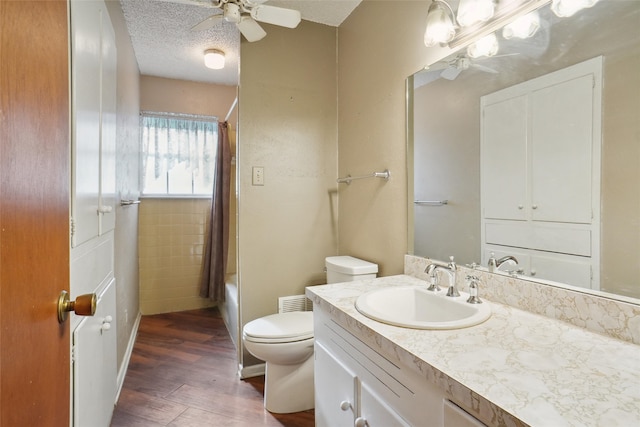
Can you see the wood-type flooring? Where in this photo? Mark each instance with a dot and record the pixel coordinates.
(183, 373)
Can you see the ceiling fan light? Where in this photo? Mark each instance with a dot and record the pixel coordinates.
(486, 46)
(523, 27)
(439, 28)
(566, 8)
(214, 59)
(473, 11)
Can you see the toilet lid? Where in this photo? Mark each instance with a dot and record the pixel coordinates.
(282, 327)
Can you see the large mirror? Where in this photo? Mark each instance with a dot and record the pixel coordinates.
(445, 128)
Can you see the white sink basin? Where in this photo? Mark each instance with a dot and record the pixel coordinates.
(415, 307)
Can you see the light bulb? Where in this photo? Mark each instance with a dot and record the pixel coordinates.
(473, 11)
(566, 8)
(439, 28)
(523, 27)
(486, 46)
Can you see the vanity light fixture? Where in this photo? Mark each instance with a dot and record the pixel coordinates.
(486, 46)
(524, 27)
(473, 11)
(214, 59)
(440, 24)
(566, 8)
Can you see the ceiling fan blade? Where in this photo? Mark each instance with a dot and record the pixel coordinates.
(289, 18)
(485, 69)
(451, 73)
(207, 23)
(250, 29)
(203, 3)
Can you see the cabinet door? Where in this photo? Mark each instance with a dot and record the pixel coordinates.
(455, 416)
(504, 159)
(108, 125)
(562, 153)
(94, 364)
(85, 103)
(335, 387)
(573, 270)
(375, 412)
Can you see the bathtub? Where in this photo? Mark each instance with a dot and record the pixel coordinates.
(229, 309)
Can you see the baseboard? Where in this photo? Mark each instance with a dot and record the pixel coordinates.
(122, 372)
(251, 371)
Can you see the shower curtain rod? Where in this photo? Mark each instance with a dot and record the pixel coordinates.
(233, 106)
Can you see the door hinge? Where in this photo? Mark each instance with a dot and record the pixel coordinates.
(72, 227)
(73, 354)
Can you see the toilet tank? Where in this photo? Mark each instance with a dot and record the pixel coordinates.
(349, 269)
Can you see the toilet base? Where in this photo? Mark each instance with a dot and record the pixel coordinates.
(289, 388)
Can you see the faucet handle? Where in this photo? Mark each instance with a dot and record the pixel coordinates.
(473, 290)
(452, 264)
(434, 283)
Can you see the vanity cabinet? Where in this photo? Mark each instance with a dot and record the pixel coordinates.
(540, 171)
(358, 386)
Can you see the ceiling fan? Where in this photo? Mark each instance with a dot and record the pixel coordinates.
(451, 69)
(246, 14)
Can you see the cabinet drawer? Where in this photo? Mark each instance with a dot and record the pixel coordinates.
(561, 238)
(408, 399)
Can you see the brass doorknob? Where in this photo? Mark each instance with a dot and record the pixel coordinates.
(84, 305)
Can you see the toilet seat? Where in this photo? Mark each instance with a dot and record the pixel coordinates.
(280, 328)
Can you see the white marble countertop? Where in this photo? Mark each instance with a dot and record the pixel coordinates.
(542, 371)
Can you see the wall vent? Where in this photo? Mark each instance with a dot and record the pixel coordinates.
(294, 303)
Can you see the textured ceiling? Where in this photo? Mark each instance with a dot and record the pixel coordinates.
(165, 47)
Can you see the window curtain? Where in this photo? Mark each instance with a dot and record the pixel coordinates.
(171, 140)
(217, 245)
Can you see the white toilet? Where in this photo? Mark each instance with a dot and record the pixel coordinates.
(285, 342)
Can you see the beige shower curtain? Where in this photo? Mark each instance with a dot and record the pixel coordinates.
(217, 244)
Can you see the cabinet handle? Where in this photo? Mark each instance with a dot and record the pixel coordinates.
(520, 207)
(106, 323)
(360, 422)
(533, 271)
(105, 209)
(534, 207)
(345, 405)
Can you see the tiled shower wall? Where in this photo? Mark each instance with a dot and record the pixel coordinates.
(171, 246)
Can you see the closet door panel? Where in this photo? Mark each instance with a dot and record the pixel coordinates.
(108, 126)
(562, 151)
(85, 91)
(504, 159)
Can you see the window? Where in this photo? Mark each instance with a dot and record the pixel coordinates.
(178, 154)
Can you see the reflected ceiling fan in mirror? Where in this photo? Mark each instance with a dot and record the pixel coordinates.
(451, 69)
(246, 14)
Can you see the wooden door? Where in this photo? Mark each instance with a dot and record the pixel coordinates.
(34, 212)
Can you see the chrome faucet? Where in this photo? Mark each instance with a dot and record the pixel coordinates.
(494, 264)
(434, 279)
(451, 269)
(473, 290)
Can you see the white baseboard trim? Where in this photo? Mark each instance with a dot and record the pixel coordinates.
(122, 372)
(251, 371)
